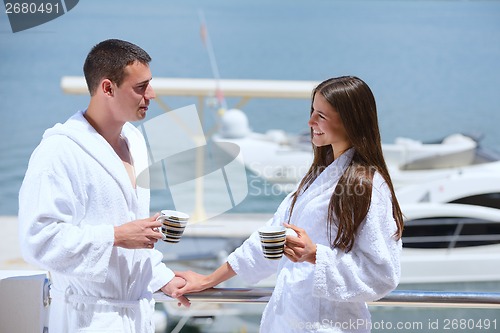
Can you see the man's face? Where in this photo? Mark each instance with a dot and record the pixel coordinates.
(133, 95)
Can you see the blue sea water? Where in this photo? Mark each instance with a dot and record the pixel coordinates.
(432, 65)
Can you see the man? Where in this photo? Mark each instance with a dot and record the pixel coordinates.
(81, 215)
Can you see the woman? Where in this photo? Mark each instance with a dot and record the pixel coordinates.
(347, 220)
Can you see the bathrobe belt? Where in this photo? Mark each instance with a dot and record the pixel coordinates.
(69, 296)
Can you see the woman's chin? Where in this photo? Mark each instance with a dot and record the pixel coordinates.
(318, 143)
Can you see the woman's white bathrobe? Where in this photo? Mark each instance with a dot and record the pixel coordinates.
(75, 191)
(329, 296)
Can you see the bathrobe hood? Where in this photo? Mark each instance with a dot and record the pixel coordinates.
(79, 130)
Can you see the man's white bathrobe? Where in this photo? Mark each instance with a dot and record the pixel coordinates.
(329, 296)
(75, 191)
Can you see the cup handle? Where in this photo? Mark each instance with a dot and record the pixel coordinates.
(159, 218)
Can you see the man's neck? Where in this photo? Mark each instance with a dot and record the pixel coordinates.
(107, 127)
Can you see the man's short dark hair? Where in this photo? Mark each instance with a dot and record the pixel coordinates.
(108, 59)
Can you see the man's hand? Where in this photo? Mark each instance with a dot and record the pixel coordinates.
(138, 234)
(175, 284)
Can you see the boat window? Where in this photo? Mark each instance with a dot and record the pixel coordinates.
(429, 233)
(479, 233)
(450, 232)
(487, 200)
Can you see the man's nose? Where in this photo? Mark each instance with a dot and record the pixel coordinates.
(150, 93)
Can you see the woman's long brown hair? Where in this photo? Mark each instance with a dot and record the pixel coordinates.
(350, 201)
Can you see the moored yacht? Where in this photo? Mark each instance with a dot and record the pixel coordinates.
(444, 242)
(283, 159)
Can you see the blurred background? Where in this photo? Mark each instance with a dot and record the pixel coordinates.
(432, 65)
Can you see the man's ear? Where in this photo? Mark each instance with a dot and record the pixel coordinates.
(107, 87)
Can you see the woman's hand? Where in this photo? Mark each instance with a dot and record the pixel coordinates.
(300, 248)
(194, 282)
(175, 284)
(197, 282)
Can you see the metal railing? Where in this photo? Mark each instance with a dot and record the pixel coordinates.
(408, 298)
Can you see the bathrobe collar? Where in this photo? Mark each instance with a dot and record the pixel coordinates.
(332, 172)
(79, 130)
(324, 183)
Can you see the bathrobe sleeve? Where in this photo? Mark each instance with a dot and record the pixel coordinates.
(161, 273)
(249, 262)
(372, 268)
(52, 228)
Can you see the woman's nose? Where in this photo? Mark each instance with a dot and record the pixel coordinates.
(311, 121)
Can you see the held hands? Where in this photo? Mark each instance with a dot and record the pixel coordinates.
(194, 282)
(300, 248)
(138, 234)
(170, 289)
(197, 282)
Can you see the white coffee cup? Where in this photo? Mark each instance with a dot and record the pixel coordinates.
(272, 239)
(173, 225)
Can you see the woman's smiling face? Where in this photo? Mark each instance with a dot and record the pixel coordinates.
(327, 127)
